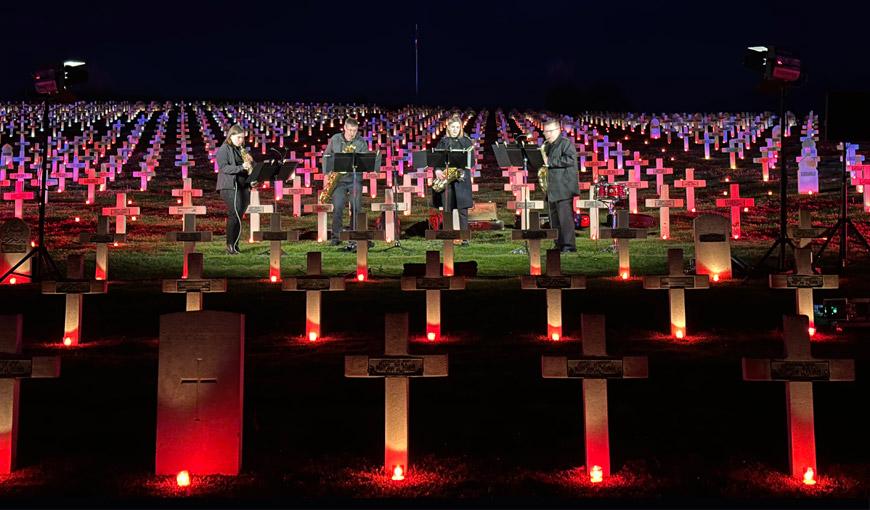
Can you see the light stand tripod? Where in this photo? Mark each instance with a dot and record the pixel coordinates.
(844, 226)
(782, 240)
(39, 253)
(524, 249)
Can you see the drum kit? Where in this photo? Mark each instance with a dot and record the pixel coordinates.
(613, 194)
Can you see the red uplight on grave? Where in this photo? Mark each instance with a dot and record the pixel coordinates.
(715, 277)
(596, 475)
(273, 278)
(624, 275)
(679, 333)
(183, 478)
(810, 476)
(811, 330)
(67, 341)
(398, 473)
(13, 281)
(361, 277)
(312, 336)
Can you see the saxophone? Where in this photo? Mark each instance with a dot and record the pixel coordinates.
(543, 172)
(331, 179)
(450, 174)
(247, 158)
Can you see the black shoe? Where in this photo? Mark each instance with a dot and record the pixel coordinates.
(231, 250)
(371, 243)
(568, 249)
(464, 242)
(334, 241)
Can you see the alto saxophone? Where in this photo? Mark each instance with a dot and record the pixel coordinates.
(449, 174)
(247, 158)
(330, 180)
(543, 172)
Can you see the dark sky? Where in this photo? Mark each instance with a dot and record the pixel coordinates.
(649, 56)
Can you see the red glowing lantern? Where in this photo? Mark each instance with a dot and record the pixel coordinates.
(810, 476)
(361, 277)
(183, 478)
(596, 475)
(398, 473)
(67, 341)
(312, 336)
(273, 278)
(679, 334)
(430, 336)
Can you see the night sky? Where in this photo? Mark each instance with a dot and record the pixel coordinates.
(643, 56)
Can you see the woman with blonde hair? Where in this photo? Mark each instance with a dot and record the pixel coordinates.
(232, 183)
(457, 193)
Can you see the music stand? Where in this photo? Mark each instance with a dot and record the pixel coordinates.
(519, 155)
(354, 163)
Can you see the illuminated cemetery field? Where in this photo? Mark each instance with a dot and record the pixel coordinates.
(137, 183)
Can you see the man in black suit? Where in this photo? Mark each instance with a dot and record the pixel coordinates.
(560, 157)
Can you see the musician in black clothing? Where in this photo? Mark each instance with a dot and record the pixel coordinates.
(456, 193)
(560, 156)
(234, 166)
(348, 140)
